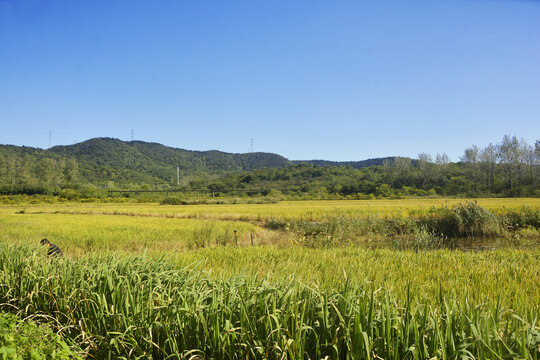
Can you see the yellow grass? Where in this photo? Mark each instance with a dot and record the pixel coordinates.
(286, 210)
(77, 234)
(101, 226)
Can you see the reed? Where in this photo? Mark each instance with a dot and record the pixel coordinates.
(136, 306)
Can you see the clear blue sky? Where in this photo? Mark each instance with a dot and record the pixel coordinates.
(308, 79)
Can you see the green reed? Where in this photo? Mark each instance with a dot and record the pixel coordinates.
(136, 306)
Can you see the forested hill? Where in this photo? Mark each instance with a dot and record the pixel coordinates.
(354, 164)
(106, 160)
(509, 168)
(160, 161)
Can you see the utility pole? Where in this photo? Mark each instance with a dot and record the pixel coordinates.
(178, 175)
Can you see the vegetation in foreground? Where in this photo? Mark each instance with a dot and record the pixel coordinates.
(21, 340)
(325, 298)
(119, 306)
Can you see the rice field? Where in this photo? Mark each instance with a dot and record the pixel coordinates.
(285, 210)
(144, 281)
(80, 228)
(79, 234)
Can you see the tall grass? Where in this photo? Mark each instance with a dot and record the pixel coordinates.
(139, 307)
(79, 234)
(479, 277)
(462, 220)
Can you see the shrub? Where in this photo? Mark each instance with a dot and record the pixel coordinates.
(275, 224)
(334, 230)
(69, 194)
(202, 235)
(461, 220)
(27, 340)
(523, 218)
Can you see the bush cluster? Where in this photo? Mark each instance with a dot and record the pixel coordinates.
(28, 340)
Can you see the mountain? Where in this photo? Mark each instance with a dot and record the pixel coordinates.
(159, 162)
(102, 160)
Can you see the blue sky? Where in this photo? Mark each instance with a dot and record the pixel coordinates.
(313, 79)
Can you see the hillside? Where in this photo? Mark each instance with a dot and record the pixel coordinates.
(112, 163)
(354, 164)
(153, 161)
(102, 161)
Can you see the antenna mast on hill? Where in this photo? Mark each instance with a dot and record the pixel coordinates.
(50, 138)
(251, 147)
(131, 134)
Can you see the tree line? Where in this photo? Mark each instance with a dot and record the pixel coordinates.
(509, 165)
(507, 168)
(27, 172)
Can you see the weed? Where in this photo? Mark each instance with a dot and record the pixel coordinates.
(28, 340)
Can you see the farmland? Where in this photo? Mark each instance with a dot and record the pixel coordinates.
(306, 210)
(161, 281)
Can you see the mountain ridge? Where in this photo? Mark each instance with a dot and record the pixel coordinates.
(105, 159)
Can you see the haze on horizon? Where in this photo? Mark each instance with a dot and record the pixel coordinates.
(346, 80)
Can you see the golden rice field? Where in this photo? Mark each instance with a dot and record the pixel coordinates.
(169, 282)
(286, 210)
(181, 232)
(79, 228)
(78, 234)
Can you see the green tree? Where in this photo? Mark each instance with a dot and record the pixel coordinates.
(488, 164)
(471, 158)
(426, 167)
(509, 153)
(47, 171)
(70, 170)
